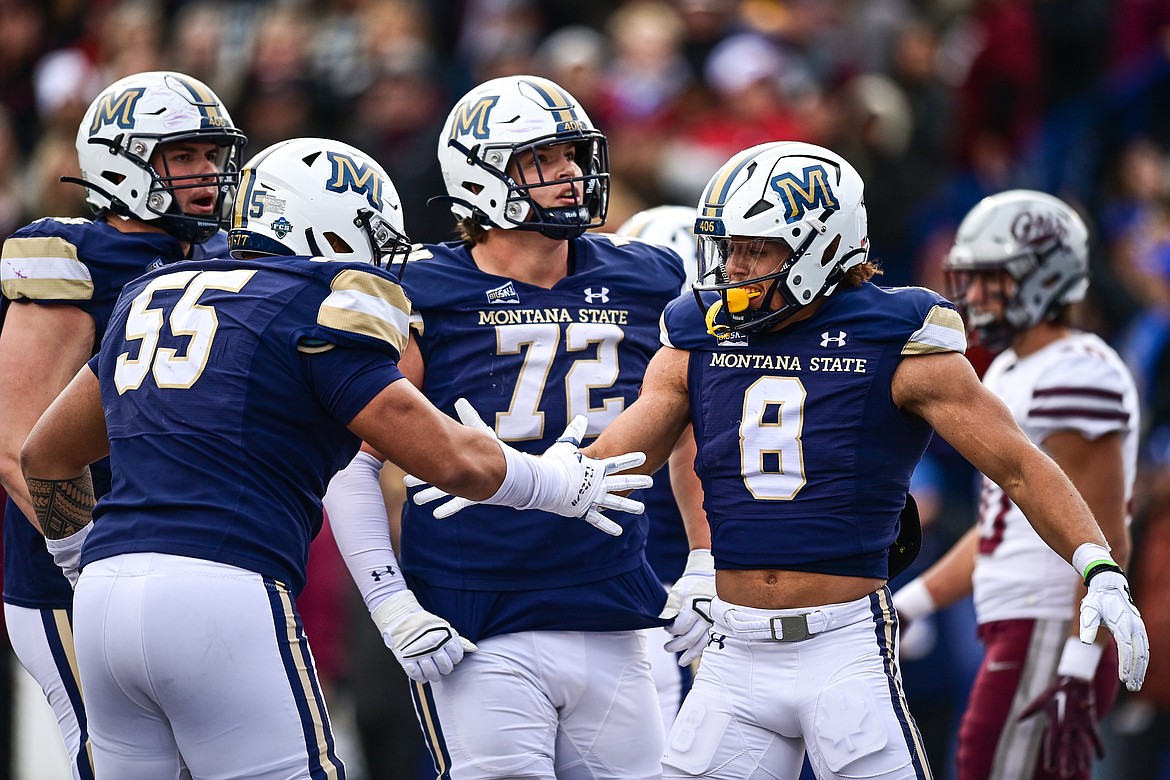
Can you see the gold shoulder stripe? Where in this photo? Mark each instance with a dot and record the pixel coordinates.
(942, 331)
(39, 248)
(945, 317)
(369, 305)
(44, 267)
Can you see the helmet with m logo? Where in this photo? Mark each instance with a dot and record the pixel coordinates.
(122, 130)
(318, 198)
(482, 142)
(803, 197)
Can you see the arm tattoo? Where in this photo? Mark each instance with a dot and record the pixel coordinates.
(63, 506)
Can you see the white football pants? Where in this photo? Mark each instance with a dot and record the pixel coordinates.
(758, 704)
(210, 661)
(547, 705)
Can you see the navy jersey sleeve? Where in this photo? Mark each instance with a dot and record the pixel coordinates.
(683, 325)
(345, 380)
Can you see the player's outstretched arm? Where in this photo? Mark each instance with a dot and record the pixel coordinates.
(944, 390)
(470, 462)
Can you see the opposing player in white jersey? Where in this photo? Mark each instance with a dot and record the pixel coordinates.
(667, 546)
(813, 393)
(158, 154)
(227, 393)
(1020, 260)
(533, 320)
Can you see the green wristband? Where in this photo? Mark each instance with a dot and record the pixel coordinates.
(1096, 567)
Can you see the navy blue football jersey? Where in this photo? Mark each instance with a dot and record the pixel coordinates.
(667, 546)
(529, 359)
(82, 263)
(804, 458)
(227, 386)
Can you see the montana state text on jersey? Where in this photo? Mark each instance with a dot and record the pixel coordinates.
(74, 262)
(529, 359)
(804, 458)
(305, 345)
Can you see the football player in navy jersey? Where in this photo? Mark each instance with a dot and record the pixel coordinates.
(534, 321)
(159, 155)
(233, 390)
(1020, 260)
(813, 393)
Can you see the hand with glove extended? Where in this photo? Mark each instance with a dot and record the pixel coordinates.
(1109, 603)
(688, 606)
(425, 644)
(561, 481)
(1071, 738)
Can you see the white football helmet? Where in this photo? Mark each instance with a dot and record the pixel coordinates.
(672, 227)
(317, 197)
(803, 195)
(501, 119)
(120, 132)
(1039, 241)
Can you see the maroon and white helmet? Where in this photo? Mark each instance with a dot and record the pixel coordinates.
(1039, 241)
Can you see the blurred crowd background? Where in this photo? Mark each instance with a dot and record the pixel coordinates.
(936, 102)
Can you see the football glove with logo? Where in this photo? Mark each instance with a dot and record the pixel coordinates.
(1109, 603)
(688, 606)
(425, 644)
(561, 481)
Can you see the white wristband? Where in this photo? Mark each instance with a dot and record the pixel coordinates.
(1078, 659)
(521, 477)
(66, 552)
(914, 600)
(700, 561)
(1089, 553)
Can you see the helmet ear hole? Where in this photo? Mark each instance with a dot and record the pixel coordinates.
(831, 251)
(337, 243)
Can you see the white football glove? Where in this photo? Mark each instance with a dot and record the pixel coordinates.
(66, 552)
(425, 644)
(561, 481)
(1109, 603)
(689, 604)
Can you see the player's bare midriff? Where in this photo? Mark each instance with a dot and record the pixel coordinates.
(783, 589)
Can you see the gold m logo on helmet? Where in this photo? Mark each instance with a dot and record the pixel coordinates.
(116, 109)
(473, 119)
(801, 194)
(351, 175)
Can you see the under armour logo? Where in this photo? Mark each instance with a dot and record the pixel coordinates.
(837, 341)
(156, 264)
(716, 639)
(377, 574)
(594, 297)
